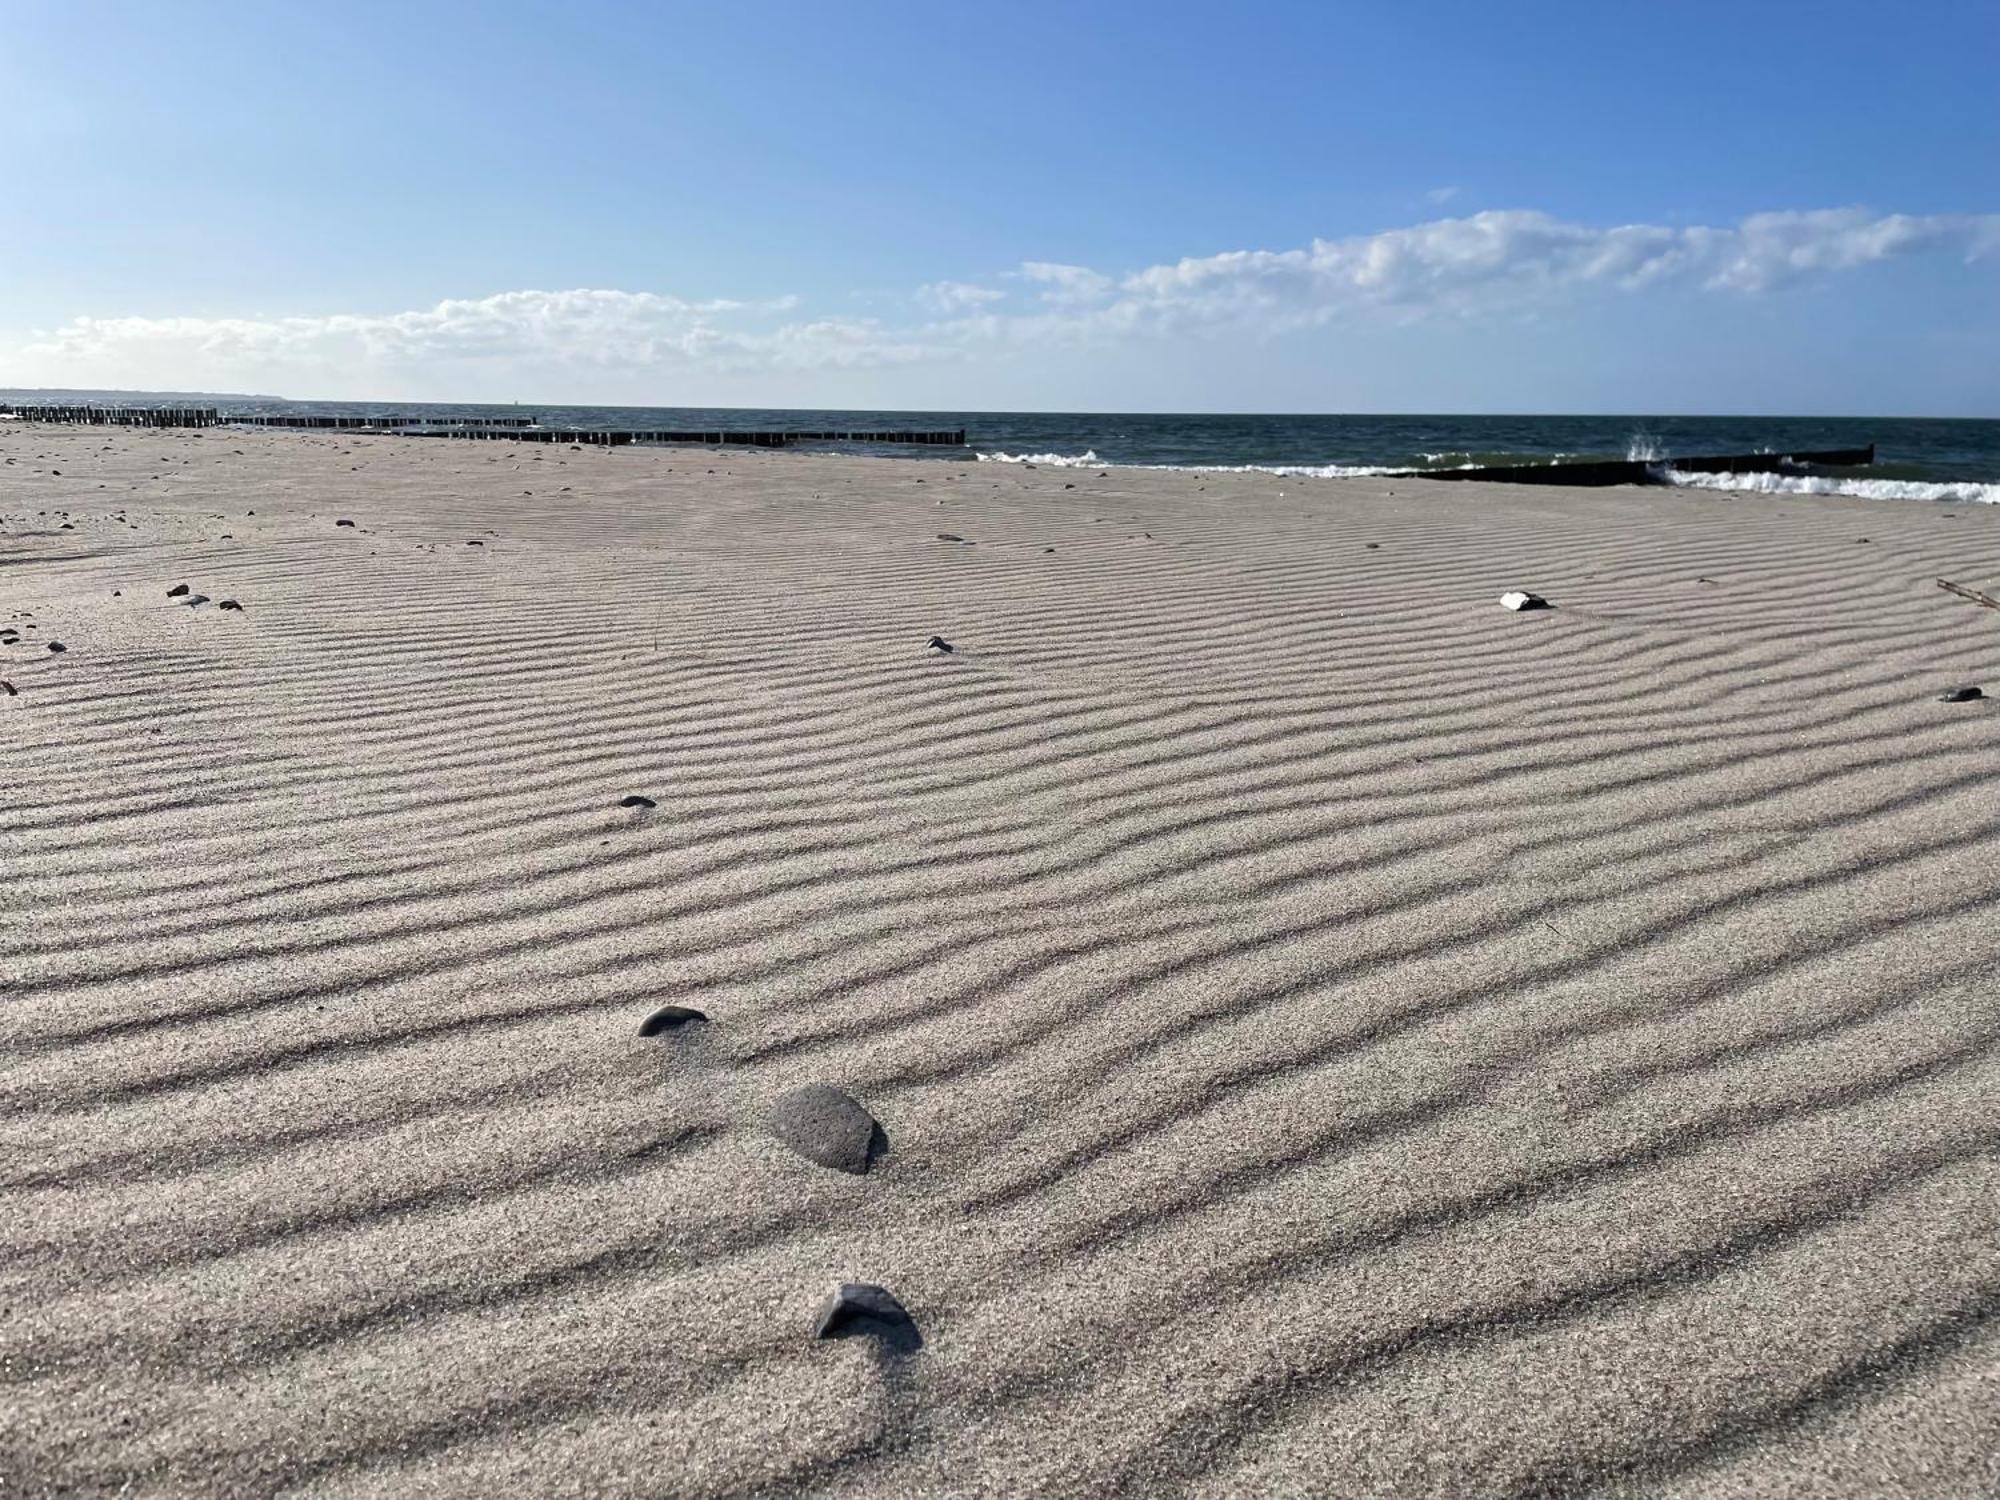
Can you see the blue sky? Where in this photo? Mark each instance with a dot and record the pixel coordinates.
(1308, 207)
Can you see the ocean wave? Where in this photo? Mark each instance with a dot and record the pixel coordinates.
(1084, 460)
(1090, 460)
(1814, 484)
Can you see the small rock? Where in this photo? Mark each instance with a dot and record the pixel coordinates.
(1069, 486)
(635, 800)
(939, 643)
(193, 599)
(1373, 546)
(9, 687)
(860, 1307)
(827, 1126)
(669, 1018)
(343, 523)
(950, 536)
(475, 544)
(1966, 694)
(57, 646)
(1520, 599)
(230, 604)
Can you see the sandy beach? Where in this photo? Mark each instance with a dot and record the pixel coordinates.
(1330, 1035)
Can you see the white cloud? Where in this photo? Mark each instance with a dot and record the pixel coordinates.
(948, 297)
(1475, 265)
(1443, 194)
(1065, 286)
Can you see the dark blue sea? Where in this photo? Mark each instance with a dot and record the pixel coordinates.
(1917, 458)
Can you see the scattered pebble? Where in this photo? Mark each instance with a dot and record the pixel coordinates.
(57, 646)
(950, 536)
(635, 800)
(11, 693)
(827, 1126)
(939, 643)
(1519, 599)
(670, 1018)
(230, 604)
(1374, 546)
(343, 522)
(1964, 694)
(193, 599)
(861, 1307)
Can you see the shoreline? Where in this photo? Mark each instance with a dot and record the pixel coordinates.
(1323, 1024)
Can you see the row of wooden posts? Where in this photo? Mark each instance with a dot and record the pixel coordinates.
(516, 429)
(119, 416)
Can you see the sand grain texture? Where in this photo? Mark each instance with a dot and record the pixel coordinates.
(1335, 1036)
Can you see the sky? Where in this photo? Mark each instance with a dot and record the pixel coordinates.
(1318, 207)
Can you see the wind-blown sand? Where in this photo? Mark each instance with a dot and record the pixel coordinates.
(1332, 1035)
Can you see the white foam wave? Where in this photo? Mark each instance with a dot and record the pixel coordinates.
(1814, 484)
(1090, 460)
(1085, 460)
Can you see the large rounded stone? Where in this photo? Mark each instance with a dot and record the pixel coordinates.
(827, 1126)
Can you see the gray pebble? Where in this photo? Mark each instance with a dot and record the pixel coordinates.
(669, 1018)
(178, 590)
(635, 800)
(1965, 694)
(860, 1307)
(827, 1126)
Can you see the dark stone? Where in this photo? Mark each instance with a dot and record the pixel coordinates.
(230, 604)
(1965, 694)
(862, 1308)
(10, 689)
(193, 599)
(827, 1126)
(343, 523)
(1069, 486)
(57, 646)
(1374, 546)
(950, 536)
(670, 1018)
(635, 800)
(939, 643)
(475, 544)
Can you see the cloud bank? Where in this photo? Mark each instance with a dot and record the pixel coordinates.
(1480, 265)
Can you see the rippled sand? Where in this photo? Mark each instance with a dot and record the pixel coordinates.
(1332, 1035)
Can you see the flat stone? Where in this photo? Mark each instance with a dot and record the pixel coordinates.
(343, 522)
(193, 599)
(669, 1018)
(1519, 599)
(229, 604)
(57, 646)
(939, 643)
(178, 590)
(950, 536)
(635, 800)
(826, 1126)
(1966, 694)
(862, 1308)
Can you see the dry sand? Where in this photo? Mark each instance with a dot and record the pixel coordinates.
(1333, 1036)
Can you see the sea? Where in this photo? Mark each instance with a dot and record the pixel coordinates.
(1933, 459)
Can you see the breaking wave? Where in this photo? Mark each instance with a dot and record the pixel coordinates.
(1090, 460)
(1814, 484)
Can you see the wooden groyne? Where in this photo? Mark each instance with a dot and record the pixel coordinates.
(522, 429)
(1648, 471)
(619, 438)
(119, 416)
(362, 424)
